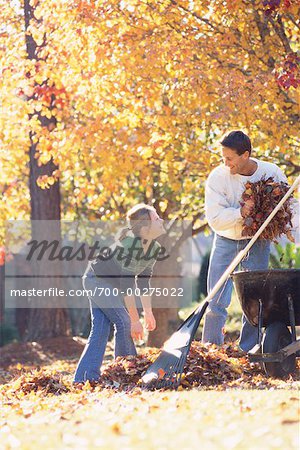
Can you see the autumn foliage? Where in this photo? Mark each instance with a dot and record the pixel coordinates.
(141, 93)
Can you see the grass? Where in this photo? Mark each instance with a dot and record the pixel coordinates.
(159, 420)
(234, 318)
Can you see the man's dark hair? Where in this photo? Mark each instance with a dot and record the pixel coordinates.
(238, 141)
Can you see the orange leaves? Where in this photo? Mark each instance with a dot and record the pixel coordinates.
(4, 256)
(139, 91)
(50, 95)
(158, 144)
(161, 374)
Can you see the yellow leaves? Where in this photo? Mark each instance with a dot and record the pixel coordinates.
(158, 145)
(188, 184)
(56, 174)
(168, 68)
(175, 184)
(148, 84)
(45, 181)
(179, 165)
(50, 181)
(43, 158)
(42, 182)
(145, 152)
(36, 33)
(87, 386)
(17, 384)
(163, 204)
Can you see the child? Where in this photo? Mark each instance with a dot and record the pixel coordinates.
(115, 274)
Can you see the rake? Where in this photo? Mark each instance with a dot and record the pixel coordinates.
(166, 371)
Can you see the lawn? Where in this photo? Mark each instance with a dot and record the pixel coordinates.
(186, 419)
(232, 405)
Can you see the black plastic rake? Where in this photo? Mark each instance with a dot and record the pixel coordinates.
(166, 371)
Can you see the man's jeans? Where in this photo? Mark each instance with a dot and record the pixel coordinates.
(223, 252)
(102, 316)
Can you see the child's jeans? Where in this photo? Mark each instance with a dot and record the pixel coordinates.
(103, 314)
(223, 252)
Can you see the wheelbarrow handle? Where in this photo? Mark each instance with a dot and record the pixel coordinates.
(243, 252)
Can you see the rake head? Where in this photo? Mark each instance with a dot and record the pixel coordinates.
(166, 371)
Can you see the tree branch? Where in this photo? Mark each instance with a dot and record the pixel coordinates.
(280, 31)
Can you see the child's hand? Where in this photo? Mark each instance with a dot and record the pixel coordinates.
(137, 330)
(150, 322)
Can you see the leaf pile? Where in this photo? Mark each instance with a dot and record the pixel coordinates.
(266, 194)
(206, 366)
(125, 372)
(39, 381)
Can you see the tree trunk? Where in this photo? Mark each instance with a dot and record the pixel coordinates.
(167, 322)
(165, 308)
(45, 205)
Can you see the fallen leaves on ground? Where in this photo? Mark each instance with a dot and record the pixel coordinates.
(232, 400)
(207, 367)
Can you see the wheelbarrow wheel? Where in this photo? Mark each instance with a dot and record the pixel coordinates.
(276, 337)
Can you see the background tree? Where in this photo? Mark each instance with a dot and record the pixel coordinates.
(139, 94)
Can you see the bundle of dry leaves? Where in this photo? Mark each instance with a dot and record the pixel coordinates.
(266, 194)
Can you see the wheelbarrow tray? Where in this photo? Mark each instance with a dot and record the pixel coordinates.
(273, 287)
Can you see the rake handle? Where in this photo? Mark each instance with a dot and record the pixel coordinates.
(243, 252)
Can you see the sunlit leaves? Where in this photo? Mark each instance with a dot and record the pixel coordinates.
(141, 93)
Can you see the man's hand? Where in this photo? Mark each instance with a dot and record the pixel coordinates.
(247, 208)
(136, 330)
(150, 322)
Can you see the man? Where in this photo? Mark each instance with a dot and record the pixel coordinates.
(224, 213)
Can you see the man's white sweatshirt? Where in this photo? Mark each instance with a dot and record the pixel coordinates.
(223, 193)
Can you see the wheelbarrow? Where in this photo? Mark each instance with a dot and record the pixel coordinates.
(270, 300)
